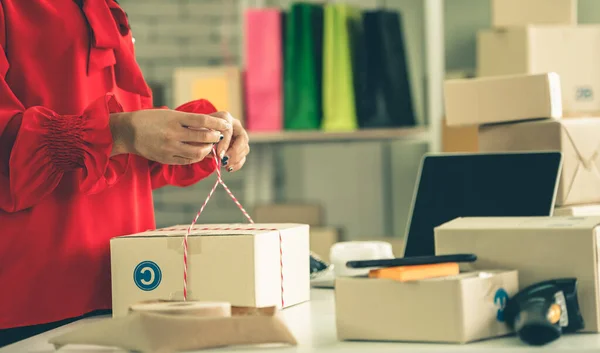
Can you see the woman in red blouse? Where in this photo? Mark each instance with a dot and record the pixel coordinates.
(81, 150)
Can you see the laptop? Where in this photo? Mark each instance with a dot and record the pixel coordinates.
(479, 185)
(475, 185)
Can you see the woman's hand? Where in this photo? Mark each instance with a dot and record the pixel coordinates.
(167, 136)
(234, 147)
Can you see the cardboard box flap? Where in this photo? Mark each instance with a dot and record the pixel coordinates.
(580, 143)
(215, 229)
(466, 276)
(578, 133)
(491, 223)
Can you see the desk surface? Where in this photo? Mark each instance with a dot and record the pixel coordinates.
(313, 324)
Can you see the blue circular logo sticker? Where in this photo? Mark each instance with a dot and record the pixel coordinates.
(147, 275)
(500, 299)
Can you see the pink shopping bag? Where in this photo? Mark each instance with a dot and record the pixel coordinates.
(264, 70)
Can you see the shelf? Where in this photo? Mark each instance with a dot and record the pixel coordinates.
(408, 133)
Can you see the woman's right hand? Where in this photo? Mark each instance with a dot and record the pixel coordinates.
(166, 136)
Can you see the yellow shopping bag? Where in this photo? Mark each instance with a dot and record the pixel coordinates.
(339, 110)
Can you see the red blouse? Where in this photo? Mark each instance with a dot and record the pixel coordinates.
(63, 70)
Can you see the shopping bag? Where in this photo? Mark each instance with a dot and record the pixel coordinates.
(397, 90)
(371, 104)
(339, 111)
(367, 72)
(264, 70)
(387, 99)
(303, 67)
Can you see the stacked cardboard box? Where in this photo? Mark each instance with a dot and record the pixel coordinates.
(458, 139)
(539, 248)
(536, 91)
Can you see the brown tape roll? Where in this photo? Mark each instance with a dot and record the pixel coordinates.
(192, 308)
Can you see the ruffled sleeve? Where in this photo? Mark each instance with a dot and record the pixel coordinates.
(40, 147)
(185, 175)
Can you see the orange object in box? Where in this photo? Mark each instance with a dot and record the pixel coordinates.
(417, 272)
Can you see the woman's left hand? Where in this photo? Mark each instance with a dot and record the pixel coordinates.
(234, 147)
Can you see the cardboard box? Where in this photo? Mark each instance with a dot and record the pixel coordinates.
(455, 309)
(572, 52)
(322, 239)
(242, 264)
(540, 248)
(577, 211)
(311, 214)
(459, 138)
(489, 100)
(578, 140)
(222, 86)
(517, 13)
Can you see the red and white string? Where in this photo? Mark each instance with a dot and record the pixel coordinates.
(239, 205)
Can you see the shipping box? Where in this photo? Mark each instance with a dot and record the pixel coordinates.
(254, 265)
(517, 13)
(478, 101)
(540, 248)
(456, 309)
(573, 52)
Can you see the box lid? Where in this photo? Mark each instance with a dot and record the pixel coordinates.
(578, 210)
(561, 222)
(467, 276)
(462, 277)
(215, 230)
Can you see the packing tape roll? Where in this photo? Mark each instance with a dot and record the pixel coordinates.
(211, 309)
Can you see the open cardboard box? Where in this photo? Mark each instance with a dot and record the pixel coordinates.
(455, 309)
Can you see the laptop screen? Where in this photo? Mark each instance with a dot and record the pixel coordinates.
(484, 185)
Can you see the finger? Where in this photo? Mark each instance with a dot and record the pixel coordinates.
(199, 136)
(238, 149)
(235, 167)
(195, 153)
(223, 146)
(211, 154)
(203, 121)
(237, 153)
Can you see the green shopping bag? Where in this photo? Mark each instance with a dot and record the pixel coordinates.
(339, 110)
(302, 67)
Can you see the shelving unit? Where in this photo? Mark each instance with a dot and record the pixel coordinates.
(260, 166)
(286, 137)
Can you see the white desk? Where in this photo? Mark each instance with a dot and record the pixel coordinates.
(313, 324)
